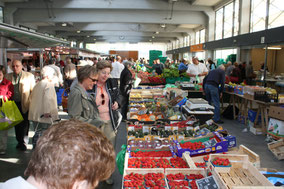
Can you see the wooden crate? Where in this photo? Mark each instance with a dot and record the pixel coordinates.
(143, 172)
(185, 172)
(185, 157)
(277, 148)
(253, 157)
(241, 174)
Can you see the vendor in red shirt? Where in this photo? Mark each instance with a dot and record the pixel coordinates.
(6, 92)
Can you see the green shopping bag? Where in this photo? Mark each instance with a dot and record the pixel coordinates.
(120, 158)
(10, 115)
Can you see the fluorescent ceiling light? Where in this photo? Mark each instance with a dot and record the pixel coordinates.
(153, 37)
(95, 39)
(78, 31)
(163, 25)
(157, 32)
(88, 36)
(64, 24)
(150, 40)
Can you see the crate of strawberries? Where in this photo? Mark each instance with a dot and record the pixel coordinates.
(213, 142)
(184, 178)
(144, 179)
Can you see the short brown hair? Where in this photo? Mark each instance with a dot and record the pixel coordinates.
(104, 64)
(85, 72)
(2, 69)
(71, 151)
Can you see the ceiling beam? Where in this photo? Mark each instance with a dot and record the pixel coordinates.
(117, 27)
(103, 16)
(110, 5)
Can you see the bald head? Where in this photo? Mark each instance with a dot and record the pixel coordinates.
(17, 66)
(195, 60)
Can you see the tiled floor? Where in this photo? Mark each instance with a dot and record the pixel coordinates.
(14, 162)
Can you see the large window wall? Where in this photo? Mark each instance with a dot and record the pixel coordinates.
(266, 14)
(227, 20)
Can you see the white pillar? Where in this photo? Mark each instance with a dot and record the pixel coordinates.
(244, 16)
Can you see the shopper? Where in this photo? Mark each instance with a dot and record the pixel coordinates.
(81, 64)
(69, 72)
(6, 93)
(249, 73)
(211, 85)
(182, 66)
(70, 154)
(196, 70)
(117, 68)
(108, 101)
(57, 79)
(211, 64)
(43, 103)
(81, 105)
(23, 83)
(126, 82)
(229, 68)
(9, 66)
(236, 75)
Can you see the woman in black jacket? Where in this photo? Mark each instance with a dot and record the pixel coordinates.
(125, 87)
(107, 97)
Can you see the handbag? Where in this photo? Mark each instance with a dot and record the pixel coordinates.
(10, 115)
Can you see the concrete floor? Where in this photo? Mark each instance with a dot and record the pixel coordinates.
(14, 162)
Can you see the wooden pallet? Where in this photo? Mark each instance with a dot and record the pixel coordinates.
(277, 148)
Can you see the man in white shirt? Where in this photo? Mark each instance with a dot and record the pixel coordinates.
(117, 68)
(196, 69)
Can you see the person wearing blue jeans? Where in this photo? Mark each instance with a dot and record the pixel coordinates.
(211, 84)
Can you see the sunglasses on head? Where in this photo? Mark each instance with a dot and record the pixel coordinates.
(93, 80)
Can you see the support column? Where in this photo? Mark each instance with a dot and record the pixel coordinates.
(244, 16)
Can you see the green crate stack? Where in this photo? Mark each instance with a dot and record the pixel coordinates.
(153, 55)
(232, 58)
(220, 61)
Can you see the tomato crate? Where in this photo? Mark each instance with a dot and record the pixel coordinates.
(241, 174)
(214, 143)
(142, 178)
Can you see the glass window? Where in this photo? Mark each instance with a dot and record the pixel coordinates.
(236, 17)
(177, 44)
(228, 20)
(191, 40)
(1, 15)
(219, 24)
(276, 13)
(258, 15)
(202, 36)
(197, 40)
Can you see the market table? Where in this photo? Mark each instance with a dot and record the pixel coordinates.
(243, 103)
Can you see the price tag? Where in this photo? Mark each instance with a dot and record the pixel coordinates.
(207, 183)
(145, 129)
(189, 128)
(168, 128)
(130, 129)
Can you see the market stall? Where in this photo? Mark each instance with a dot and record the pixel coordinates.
(168, 148)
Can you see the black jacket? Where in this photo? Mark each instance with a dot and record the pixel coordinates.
(125, 81)
(114, 96)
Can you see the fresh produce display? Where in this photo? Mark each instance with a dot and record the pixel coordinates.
(171, 73)
(178, 184)
(178, 176)
(192, 145)
(148, 180)
(180, 180)
(200, 165)
(224, 162)
(152, 154)
(147, 117)
(156, 163)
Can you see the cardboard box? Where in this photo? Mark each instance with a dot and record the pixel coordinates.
(275, 127)
(276, 112)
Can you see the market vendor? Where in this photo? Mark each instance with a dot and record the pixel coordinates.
(213, 93)
(196, 70)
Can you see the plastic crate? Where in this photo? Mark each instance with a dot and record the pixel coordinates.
(265, 97)
(172, 80)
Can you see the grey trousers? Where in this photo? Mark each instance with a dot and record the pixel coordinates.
(108, 132)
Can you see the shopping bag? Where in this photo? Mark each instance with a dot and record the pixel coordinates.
(137, 81)
(120, 159)
(10, 115)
